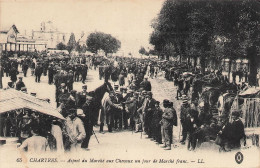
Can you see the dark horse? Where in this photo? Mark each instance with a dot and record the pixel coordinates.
(91, 110)
(97, 96)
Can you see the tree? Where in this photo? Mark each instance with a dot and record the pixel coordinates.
(142, 50)
(72, 43)
(106, 42)
(61, 46)
(190, 29)
(152, 52)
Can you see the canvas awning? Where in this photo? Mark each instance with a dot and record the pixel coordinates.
(11, 99)
(250, 91)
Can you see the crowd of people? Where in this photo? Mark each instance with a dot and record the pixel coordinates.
(130, 104)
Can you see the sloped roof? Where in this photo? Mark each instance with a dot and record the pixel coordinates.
(12, 99)
(5, 29)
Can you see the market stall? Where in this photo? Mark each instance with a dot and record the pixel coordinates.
(19, 110)
(249, 104)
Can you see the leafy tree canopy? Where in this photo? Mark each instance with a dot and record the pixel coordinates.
(100, 40)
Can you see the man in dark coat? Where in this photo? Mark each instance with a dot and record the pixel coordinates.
(38, 73)
(7, 68)
(70, 80)
(101, 72)
(32, 66)
(147, 109)
(88, 120)
(180, 87)
(185, 108)
(13, 74)
(81, 96)
(237, 131)
(107, 73)
(20, 84)
(119, 114)
(84, 73)
(70, 102)
(77, 72)
(25, 68)
(124, 97)
(231, 133)
(192, 123)
(45, 67)
(156, 127)
(146, 84)
(51, 72)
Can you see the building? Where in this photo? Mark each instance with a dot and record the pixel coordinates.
(8, 37)
(49, 34)
(12, 40)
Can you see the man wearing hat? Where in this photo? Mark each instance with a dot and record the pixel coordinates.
(75, 130)
(180, 87)
(146, 84)
(185, 108)
(147, 111)
(111, 108)
(156, 127)
(88, 120)
(107, 72)
(20, 84)
(70, 102)
(38, 73)
(25, 68)
(84, 73)
(13, 74)
(231, 133)
(70, 80)
(81, 96)
(141, 99)
(32, 67)
(120, 115)
(131, 107)
(126, 95)
(192, 124)
(51, 72)
(237, 131)
(166, 124)
(77, 72)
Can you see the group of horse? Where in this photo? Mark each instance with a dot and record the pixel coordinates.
(211, 88)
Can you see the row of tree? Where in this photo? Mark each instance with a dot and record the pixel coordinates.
(214, 29)
(95, 41)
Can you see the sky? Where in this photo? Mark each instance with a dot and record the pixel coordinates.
(127, 20)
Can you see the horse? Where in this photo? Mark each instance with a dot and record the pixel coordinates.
(91, 110)
(97, 96)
